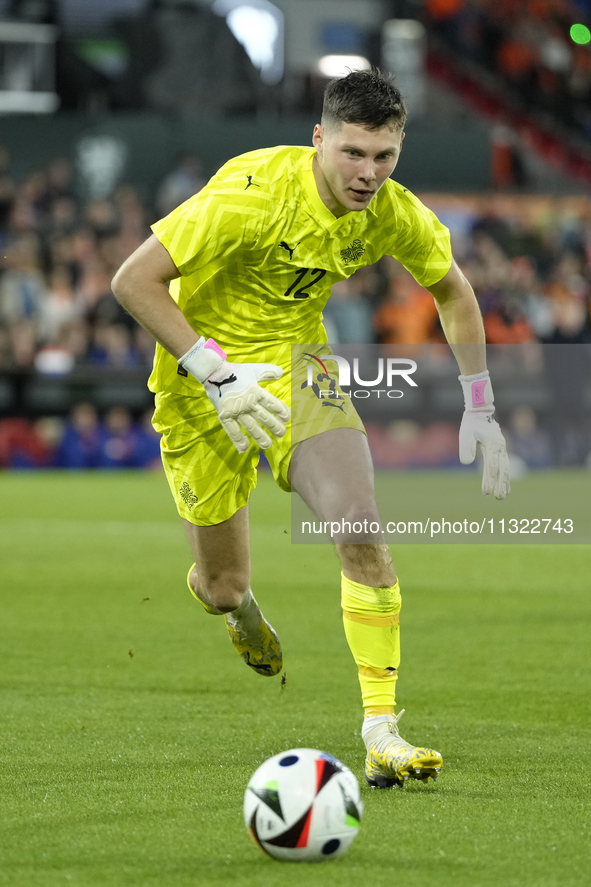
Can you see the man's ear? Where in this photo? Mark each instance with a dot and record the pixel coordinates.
(402, 138)
(318, 137)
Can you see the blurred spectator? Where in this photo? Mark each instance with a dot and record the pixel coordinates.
(133, 225)
(101, 218)
(118, 447)
(185, 180)
(83, 435)
(25, 444)
(60, 306)
(7, 191)
(117, 442)
(22, 287)
(22, 290)
(408, 315)
(60, 179)
(348, 311)
(505, 322)
(147, 449)
(570, 315)
(62, 217)
(113, 347)
(6, 360)
(508, 171)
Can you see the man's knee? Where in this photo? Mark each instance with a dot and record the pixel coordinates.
(223, 590)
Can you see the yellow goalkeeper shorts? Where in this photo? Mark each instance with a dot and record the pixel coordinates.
(209, 479)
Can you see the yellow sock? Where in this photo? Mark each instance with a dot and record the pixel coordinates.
(371, 617)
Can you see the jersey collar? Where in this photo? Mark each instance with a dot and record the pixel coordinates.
(321, 211)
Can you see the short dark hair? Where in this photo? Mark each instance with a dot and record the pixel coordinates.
(368, 98)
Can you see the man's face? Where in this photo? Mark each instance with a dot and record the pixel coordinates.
(352, 163)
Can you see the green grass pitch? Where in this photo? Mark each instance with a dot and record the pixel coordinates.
(129, 727)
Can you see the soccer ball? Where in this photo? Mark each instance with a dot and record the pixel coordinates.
(303, 805)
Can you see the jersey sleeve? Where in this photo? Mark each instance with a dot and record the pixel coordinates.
(419, 241)
(222, 218)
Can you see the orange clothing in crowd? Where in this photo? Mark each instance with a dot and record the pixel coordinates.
(442, 9)
(410, 319)
(499, 332)
(544, 9)
(515, 58)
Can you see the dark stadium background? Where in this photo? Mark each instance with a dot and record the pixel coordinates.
(112, 113)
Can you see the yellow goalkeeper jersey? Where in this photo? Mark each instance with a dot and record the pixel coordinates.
(258, 253)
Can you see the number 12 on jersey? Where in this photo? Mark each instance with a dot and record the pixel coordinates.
(303, 284)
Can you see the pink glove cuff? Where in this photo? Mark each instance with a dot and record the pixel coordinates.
(203, 359)
(478, 393)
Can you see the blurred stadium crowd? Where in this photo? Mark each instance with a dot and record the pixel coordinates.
(528, 44)
(83, 441)
(528, 259)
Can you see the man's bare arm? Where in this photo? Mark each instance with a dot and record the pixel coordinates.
(140, 286)
(462, 324)
(461, 320)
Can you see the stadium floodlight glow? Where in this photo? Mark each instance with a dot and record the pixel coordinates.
(341, 65)
(258, 26)
(580, 34)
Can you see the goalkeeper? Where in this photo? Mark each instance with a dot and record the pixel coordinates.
(226, 284)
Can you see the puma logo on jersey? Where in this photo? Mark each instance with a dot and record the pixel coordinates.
(250, 182)
(218, 385)
(289, 248)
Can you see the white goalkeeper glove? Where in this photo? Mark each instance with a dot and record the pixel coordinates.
(234, 391)
(479, 427)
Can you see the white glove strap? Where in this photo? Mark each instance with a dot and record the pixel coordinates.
(478, 393)
(203, 359)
